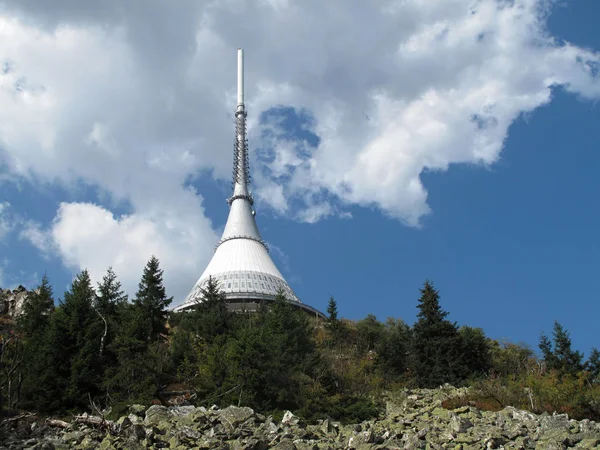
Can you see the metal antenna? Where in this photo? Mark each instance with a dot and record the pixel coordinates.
(241, 169)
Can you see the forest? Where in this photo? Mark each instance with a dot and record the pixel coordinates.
(96, 348)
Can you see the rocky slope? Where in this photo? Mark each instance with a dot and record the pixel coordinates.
(417, 422)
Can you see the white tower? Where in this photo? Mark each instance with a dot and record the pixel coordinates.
(241, 264)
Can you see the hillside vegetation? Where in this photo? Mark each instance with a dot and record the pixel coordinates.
(97, 349)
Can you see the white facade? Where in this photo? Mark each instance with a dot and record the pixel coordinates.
(241, 264)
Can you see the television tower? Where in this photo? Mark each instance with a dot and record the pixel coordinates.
(241, 264)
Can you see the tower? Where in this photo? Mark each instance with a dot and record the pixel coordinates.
(241, 264)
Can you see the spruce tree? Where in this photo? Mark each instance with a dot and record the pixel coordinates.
(36, 310)
(476, 350)
(34, 324)
(109, 303)
(436, 356)
(333, 325)
(559, 355)
(152, 300)
(332, 310)
(369, 333)
(570, 361)
(393, 349)
(75, 338)
(110, 294)
(210, 317)
(592, 365)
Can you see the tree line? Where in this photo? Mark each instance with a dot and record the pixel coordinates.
(98, 348)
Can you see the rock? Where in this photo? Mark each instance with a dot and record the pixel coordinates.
(157, 414)
(182, 411)
(73, 437)
(285, 444)
(234, 415)
(12, 302)
(418, 421)
(290, 419)
(135, 433)
(458, 424)
(138, 410)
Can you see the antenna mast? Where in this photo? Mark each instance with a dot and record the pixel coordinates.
(241, 169)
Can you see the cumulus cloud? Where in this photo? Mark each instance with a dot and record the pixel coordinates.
(89, 236)
(6, 221)
(135, 98)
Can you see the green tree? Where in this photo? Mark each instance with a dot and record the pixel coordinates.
(110, 294)
(332, 310)
(37, 310)
(592, 365)
(476, 348)
(135, 376)
(33, 324)
(559, 355)
(210, 317)
(152, 300)
(369, 332)
(436, 356)
(266, 363)
(394, 347)
(509, 359)
(110, 299)
(74, 345)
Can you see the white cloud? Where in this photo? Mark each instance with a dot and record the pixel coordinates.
(135, 98)
(88, 236)
(6, 221)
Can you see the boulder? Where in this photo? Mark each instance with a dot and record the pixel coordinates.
(157, 414)
(234, 415)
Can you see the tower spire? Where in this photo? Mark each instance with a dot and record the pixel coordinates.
(241, 170)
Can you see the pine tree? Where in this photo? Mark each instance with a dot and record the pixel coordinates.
(393, 348)
(558, 355)
(436, 356)
(592, 365)
(36, 310)
(210, 317)
(74, 339)
(34, 324)
(570, 361)
(110, 295)
(369, 331)
(332, 310)
(109, 302)
(476, 350)
(152, 300)
(333, 325)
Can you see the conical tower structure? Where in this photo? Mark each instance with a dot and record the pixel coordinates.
(241, 264)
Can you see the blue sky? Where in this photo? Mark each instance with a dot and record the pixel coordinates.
(108, 167)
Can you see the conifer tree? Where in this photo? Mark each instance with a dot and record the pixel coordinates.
(210, 317)
(109, 304)
(559, 355)
(74, 340)
(436, 350)
(152, 300)
(592, 365)
(369, 331)
(570, 361)
(332, 310)
(34, 324)
(333, 324)
(476, 350)
(394, 347)
(36, 310)
(110, 294)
